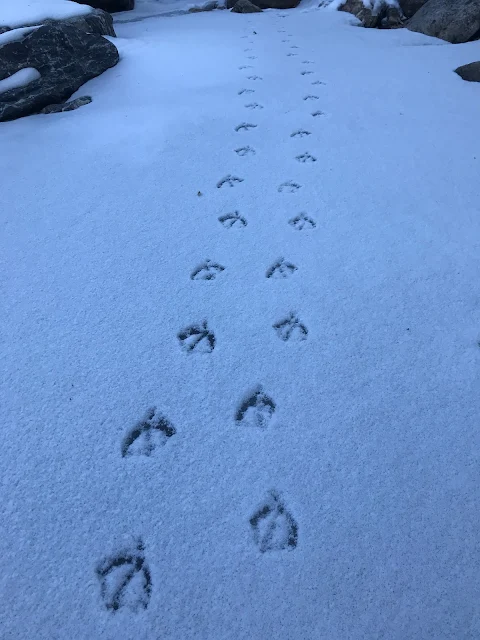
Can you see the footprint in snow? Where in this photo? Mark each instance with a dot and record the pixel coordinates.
(125, 579)
(289, 55)
(253, 105)
(294, 46)
(245, 66)
(307, 62)
(318, 82)
(291, 328)
(256, 409)
(233, 220)
(148, 435)
(245, 126)
(301, 222)
(306, 73)
(243, 91)
(317, 114)
(305, 157)
(289, 187)
(245, 151)
(197, 337)
(274, 528)
(311, 97)
(252, 57)
(207, 271)
(229, 180)
(281, 269)
(254, 78)
(301, 133)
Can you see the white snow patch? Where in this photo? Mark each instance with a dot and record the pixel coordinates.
(19, 79)
(24, 12)
(16, 34)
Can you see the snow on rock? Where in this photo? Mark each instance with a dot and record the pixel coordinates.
(26, 12)
(19, 79)
(371, 13)
(15, 34)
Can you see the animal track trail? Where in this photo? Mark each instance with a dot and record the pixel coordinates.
(274, 528)
(294, 46)
(245, 151)
(125, 580)
(245, 126)
(207, 271)
(254, 78)
(301, 133)
(291, 329)
(198, 338)
(306, 158)
(307, 62)
(318, 114)
(256, 410)
(281, 269)
(306, 73)
(244, 91)
(253, 105)
(311, 97)
(289, 187)
(233, 221)
(318, 82)
(229, 181)
(150, 434)
(252, 57)
(245, 66)
(290, 55)
(301, 222)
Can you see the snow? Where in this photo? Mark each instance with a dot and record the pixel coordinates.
(17, 13)
(16, 34)
(266, 482)
(19, 79)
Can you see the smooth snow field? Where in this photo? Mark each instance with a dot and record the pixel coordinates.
(240, 340)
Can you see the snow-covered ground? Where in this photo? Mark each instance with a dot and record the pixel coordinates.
(311, 470)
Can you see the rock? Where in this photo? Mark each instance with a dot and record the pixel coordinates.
(277, 4)
(381, 15)
(111, 6)
(64, 56)
(97, 21)
(67, 106)
(469, 72)
(410, 7)
(209, 6)
(245, 6)
(456, 22)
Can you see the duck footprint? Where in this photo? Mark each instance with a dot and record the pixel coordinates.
(253, 105)
(207, 271)
(301, 133)
(229, 180)
(233, 220)
(243, 91)
(302, 221)
(197, 337)
(289, 187)
(125, 579)
(274, 527)
(305, 157)
(257, 409)
(245, 151)
(281, 269)
(151, 433)
(291, 329)
(245, 126)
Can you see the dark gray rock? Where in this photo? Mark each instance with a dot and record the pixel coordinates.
(469, 72)
(410, 7)
(277, 4)
(64, 56)
(209, 6)
(382, 16)
(455, 21)
(109, 5)
(4, 29)
(97, 21)
(67, 106)
(245, 6)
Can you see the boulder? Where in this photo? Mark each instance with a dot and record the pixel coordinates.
(469, 72)
(268, 4)
(456, 22)
(97, 21)
(67, 106)
(64, 56)
(410, 7)
(379, 15)
(245, 6)
(209, 6)
(111, 6)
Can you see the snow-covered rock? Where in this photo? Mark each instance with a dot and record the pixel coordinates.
(21, 13)
(455, 22)
(373, 13)
(64, 56)
(245, 6)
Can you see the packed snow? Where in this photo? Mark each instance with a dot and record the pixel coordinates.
(241, 340)
(17, 13)
(19, 79)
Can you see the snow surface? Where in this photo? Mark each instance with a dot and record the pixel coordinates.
(16, 13)
(268, 482)
(19, 79)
